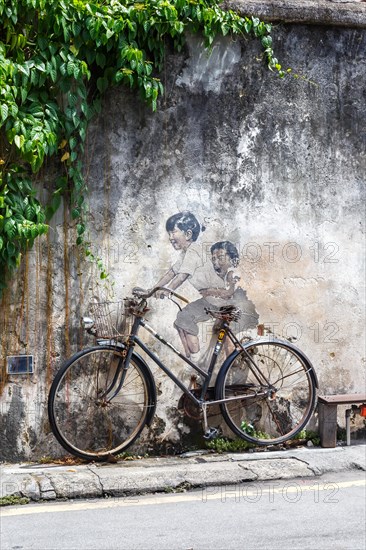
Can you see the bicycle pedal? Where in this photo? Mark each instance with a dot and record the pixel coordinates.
(211, 433)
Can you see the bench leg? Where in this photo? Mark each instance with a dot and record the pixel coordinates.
(348, 426)
(327, 424)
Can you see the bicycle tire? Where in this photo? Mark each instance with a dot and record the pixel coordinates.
(82, 419)
(272, 413)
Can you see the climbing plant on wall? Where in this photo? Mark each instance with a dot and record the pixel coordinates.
(57, 58)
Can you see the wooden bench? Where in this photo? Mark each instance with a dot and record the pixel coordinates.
(327, 409)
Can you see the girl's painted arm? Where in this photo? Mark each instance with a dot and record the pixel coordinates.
(171, 280)
(169, 275)
(178, 280)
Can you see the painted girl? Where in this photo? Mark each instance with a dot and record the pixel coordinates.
(183, 230)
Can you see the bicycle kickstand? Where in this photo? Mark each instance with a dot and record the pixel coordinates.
(208, 433)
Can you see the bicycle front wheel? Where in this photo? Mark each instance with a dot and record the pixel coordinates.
(271, 392)
(96, 407)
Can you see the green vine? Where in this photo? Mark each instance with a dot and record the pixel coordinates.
(57, 58)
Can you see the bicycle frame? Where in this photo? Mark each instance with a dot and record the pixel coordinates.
(223, 334)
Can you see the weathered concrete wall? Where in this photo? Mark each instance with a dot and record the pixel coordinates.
(275, 166)
(346, 13)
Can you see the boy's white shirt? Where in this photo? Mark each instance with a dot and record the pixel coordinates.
(206, 277)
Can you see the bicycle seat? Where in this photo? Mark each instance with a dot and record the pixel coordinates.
(225, 313)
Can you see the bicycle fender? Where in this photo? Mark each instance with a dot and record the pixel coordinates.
(223, 370)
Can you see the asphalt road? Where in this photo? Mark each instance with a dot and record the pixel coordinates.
(326, 513)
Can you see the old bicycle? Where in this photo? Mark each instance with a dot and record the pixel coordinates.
(103, 396)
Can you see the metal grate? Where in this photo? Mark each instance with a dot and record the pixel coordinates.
(112, 320)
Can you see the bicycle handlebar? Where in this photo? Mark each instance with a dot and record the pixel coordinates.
(141, 293)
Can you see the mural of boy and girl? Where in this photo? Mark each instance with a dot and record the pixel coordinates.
(214, 279)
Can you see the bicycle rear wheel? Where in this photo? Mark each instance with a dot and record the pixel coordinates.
(273, 392)
(85, 416)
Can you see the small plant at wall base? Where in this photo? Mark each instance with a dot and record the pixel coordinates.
(13, 500)
(57, 58)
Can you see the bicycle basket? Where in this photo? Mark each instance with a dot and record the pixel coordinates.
(112, 320)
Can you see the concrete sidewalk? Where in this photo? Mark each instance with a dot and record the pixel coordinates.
(196, 469)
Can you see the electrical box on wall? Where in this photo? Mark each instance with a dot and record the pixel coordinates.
(19, 364)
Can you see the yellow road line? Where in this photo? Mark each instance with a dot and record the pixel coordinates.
(242, 491)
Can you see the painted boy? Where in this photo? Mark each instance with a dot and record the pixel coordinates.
(217, 283)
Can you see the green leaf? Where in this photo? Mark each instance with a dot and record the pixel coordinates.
(80, 227)
(10, 247)
(70, 68)
(56, 201)
(101, 59)
(29, 212)
(14, 110)
(4, 111)
(19, 141)
(24, 94)
(42, 42)
(102, 84)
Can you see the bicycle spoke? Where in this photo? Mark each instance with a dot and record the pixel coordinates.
(84, 420)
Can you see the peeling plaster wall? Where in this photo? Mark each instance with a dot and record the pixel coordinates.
(275, 166)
